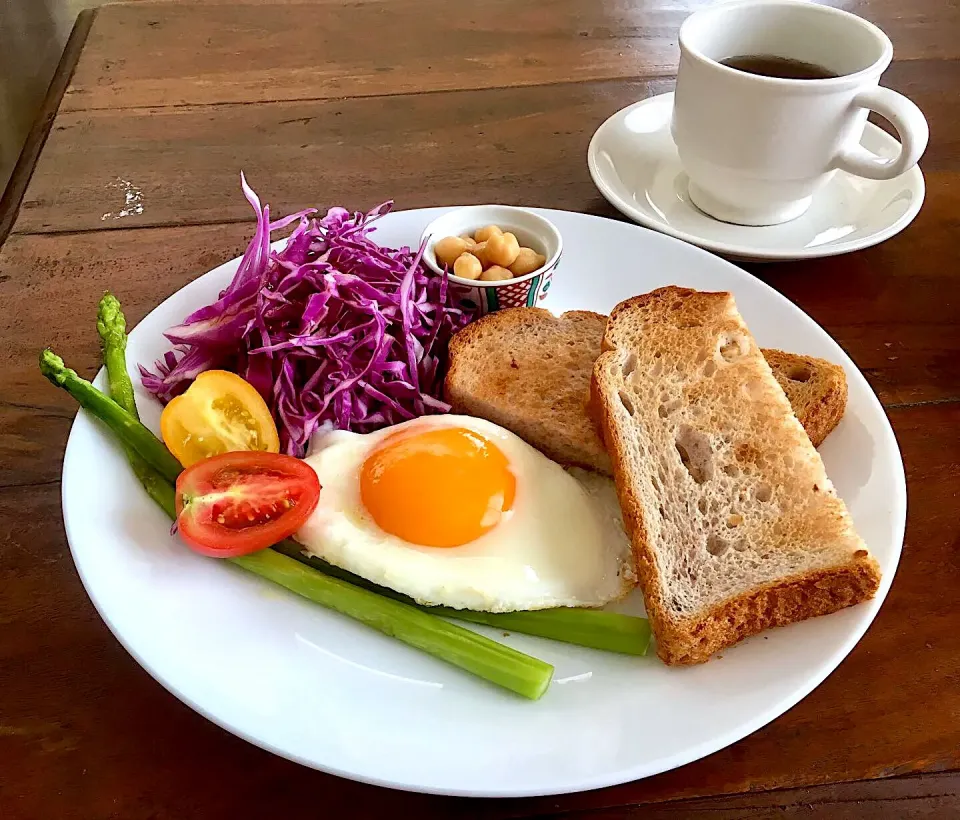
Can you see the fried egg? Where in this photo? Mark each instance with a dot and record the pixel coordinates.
(456, 511)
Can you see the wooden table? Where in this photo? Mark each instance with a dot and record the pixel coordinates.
(155, 109)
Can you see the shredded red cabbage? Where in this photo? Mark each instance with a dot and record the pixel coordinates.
(333, 330)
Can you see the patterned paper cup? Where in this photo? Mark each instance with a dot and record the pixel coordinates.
(531, 230)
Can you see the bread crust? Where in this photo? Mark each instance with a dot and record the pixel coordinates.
(785, 602)
(695, 638)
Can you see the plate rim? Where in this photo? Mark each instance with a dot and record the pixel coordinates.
(608, 778)
(737, 251)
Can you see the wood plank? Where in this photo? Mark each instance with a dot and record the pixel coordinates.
(525, 145)
(26, 162)
(122, 747)
(895, 798)
(175, 166)
(169, 54)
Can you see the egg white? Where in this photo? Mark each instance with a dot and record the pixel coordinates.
(562, 544)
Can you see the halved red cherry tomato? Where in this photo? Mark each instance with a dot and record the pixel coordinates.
(241, 502)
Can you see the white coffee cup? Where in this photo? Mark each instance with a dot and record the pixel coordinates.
(757, 148)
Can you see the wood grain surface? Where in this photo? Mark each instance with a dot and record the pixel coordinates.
(355, 102)
(457, 147)
(152, 55)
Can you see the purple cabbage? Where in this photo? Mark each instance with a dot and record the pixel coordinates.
(333, 330)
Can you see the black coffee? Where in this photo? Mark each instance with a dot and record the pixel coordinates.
(766, 65)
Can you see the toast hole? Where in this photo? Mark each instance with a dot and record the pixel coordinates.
(860, 554)
(733, 346)
(702, 505)
(716, 546)
(676, 305)
(627, 402)
(709, 369)
(731, 470)
(667, 407)
(695, 453)
(630, 365)
(799, 373)
(764, 493)
(656, 368)
(734, 520)
(571, 342)
(739, 546)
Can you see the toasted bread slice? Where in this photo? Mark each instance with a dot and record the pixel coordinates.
(816, 389)
(734, 523)
(529, 371)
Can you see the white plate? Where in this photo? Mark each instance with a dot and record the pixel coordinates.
(634, 164)
(323, 690)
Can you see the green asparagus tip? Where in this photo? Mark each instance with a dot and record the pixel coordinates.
(52, 366)
(110, 318)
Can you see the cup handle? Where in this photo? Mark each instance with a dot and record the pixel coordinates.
(911, 127)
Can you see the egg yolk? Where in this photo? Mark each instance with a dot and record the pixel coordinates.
(438, 488)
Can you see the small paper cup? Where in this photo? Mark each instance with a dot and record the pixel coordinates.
(531, 230)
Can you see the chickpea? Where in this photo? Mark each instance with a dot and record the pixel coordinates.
(502, 249)
(467, 266)
(527, 261)
(483, 234)
(495, 273)
(479, 250)
(449, 248)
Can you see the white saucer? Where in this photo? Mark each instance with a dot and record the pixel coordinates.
(634, 163)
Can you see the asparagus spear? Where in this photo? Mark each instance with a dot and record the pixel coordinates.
(593, 628)
(130, 431)
(112, 329)
(499, 664)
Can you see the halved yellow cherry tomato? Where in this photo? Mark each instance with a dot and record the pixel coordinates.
(219, 413)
